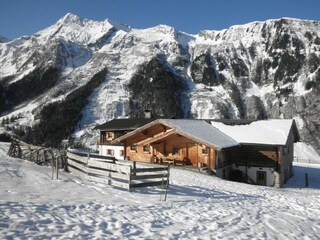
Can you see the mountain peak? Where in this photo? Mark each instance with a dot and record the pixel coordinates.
(70, 18)
(117, 25)
(165, 28)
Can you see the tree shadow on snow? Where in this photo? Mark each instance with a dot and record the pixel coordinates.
(195, 192)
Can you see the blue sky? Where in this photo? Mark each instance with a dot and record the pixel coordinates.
(25, 17)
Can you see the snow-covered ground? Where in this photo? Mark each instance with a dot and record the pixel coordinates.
(198, 206)
(305, 153)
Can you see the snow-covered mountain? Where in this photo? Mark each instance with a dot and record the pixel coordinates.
(106, 70)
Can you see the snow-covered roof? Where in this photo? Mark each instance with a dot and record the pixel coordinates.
(270, 132)
(202, 131)
(198, 130)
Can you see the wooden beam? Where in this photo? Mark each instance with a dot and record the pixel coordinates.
(110, 166)
(149, 176)
(157, 169)
(155, 138)
(77, 157)
(73, 163)
(149, 184)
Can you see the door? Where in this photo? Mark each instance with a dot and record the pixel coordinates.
(261, 178)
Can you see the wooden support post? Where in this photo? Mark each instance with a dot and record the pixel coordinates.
(306, 179)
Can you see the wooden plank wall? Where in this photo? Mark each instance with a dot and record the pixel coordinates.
(122, 174)
(255, 156)
(187, 149)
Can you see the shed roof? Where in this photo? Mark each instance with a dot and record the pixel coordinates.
(268, 132)
(197, 130)
(122, 124)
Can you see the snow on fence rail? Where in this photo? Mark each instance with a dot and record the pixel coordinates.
(306, 160)
(122, 174)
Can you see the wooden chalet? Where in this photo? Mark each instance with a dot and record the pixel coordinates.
(260, 151)
(178, 141)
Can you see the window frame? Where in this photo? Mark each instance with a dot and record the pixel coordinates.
(205, 151)
(110, 152)
(175, 150)
(133, 148)
(146, 148)
(121, 153)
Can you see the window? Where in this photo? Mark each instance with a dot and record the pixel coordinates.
(133, 148)
(205, 151)
(110, 152)
(121, 153)
(261, 178)
(175, 150)
(146, 148)
(109, 135)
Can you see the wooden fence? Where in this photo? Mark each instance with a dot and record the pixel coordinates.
(122, 174)
(37, 154)
(306, 160)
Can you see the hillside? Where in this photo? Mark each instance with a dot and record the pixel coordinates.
(254, 71)
(198, 206)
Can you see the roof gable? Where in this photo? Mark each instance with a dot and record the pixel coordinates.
(197, 130)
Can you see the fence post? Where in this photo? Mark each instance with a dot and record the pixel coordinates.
(134, 168)
(167, 185)
(88, 164)
(129, 181)
(306, 179)
(52, 166)
(57, 168)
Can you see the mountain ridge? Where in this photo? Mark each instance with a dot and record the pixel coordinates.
(254, 71)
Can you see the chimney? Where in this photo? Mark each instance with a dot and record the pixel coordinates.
(147, 113)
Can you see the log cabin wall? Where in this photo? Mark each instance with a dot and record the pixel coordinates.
(174, 147)
(137, 153)
(213, 154)
(206, 156)
(140, 153)
(179, 147)
(255, 156)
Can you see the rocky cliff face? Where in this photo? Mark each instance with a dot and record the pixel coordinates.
(3, 39)
(255, 71)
